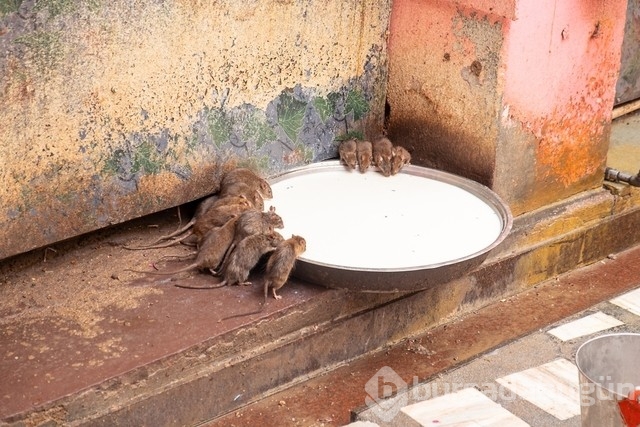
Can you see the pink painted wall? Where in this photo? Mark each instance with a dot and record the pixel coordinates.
(443, 85)
(515, 94)
(561, 60)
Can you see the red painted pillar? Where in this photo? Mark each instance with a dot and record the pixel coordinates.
(515, 94)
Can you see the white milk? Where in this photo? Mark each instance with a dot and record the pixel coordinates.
(368, 221)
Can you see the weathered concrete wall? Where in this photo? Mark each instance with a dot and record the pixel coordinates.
(628, 85)
(516, 95)
(444, 82)
(562, 60)
(112, 110)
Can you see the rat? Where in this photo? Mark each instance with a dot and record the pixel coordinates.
(246, 190)
(279, 267)
(382, 155)
(280, 264)
(203, 206)
(400, 158)
(255, 222)
(364, 152)
(347, 151)
(245, 256)
(217, 216)
(249, 177)
(214, 247)
(222, 210)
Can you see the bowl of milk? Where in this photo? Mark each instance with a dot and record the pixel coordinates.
(371, 233)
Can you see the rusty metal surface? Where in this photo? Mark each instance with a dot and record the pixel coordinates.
(167, 323)
(111, 111)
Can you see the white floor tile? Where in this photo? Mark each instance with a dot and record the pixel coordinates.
(465, 408)
(629, 301)
(590, 324)
(553, 387)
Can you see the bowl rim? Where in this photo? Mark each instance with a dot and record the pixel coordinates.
(484, 193)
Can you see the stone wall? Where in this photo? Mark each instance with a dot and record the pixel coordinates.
(112, 110)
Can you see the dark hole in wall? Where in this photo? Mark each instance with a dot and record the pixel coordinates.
(387, 116)
(476, 68)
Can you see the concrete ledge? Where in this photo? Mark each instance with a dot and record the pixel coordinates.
(223, 365)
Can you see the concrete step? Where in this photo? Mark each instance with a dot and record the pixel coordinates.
(476, 348)
(139, 351)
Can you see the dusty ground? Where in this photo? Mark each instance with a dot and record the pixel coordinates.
(65, 311)
(72, 282)
(72, 317)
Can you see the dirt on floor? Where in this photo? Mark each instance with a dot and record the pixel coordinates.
(71, 283)
(74, 318)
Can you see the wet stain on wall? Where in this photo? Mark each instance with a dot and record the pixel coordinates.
(444, 86)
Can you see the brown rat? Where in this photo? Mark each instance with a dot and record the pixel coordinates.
(281, 262)
(382, 155)
(246, 190)
(219, 214)
(212, 250)
(221, 211)
(347, 152)
(203, 206)
(364, 153)
(246, 255)
(400, 158)
(249, 177)
(279, 267)
(254, 222)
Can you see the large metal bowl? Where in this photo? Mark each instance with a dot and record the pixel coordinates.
(377, 277)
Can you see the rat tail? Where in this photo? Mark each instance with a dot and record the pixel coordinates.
(164, 273)
(154, 246)
(175, 233)
(260, 310)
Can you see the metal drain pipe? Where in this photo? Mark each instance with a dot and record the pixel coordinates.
(611, 174)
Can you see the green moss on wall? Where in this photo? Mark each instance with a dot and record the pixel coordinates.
(257, 129)
(55, 7)
(59, 7)
(45, 48)
(356, 104)
(147, 159)
(297, 127)
(9, 6)
(324, 107)
(220, 125)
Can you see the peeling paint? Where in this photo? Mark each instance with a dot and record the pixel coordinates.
(445, 88)
(518, 97)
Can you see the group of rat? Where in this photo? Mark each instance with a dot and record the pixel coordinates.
(389, 159)
(232, 232)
